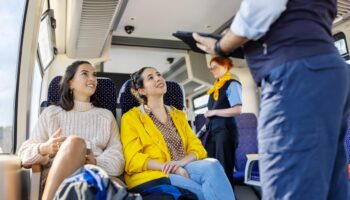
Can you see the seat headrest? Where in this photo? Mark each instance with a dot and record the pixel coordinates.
(105, 93)
(173, 97)
(246, 120)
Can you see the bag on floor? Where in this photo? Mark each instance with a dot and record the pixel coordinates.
(92, 182)
(161, 189)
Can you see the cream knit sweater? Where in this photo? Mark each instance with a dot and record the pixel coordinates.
(96, 125)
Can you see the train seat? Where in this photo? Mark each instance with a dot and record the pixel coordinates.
(248, 144)
(175, 96)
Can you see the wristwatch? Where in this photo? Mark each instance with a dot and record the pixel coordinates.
(219, 51)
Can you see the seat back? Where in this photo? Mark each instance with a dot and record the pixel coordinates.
(248, 144)
(199, 121)
(173, 97)
(105, 93)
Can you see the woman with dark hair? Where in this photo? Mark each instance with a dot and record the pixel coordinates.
(159, 145)
(65, 133)
(66, 90)
(224, 103)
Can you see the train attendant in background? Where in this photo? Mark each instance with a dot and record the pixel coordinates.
(224, 103)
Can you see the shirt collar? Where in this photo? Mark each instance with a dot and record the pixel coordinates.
(82, 106)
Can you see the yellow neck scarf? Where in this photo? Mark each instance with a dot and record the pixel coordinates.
(218, 84)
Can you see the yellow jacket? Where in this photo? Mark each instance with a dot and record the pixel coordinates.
(142, 141)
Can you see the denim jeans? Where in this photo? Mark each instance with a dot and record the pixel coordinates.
(207, 180)
(302, 124)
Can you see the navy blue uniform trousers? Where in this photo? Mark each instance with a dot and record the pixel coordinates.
(301, 129)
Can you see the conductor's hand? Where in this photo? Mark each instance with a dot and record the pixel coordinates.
(53, 144)
(205, 43)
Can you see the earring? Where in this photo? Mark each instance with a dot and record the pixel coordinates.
(71, 91)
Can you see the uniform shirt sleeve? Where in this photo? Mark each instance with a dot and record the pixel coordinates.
(254, 18)
(234, 94)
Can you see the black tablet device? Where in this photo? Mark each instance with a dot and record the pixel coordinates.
(187, 38)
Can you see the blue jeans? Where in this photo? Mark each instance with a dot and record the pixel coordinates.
(301, 129)
(207, 180)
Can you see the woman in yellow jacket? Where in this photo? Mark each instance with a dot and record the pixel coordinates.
(159, 144)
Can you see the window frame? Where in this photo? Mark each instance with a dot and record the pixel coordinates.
(50, 14)
(40, 91)
(19, 63)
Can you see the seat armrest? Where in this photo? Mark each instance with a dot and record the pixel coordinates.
(36, 168)
(251, 160)
(35, 173)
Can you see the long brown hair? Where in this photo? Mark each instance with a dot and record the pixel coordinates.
(66, 94)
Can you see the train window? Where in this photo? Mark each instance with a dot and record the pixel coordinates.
(340, 43)
(47, 39)
(11, 20)
(35, 99)
(201, 101)
(200, 104)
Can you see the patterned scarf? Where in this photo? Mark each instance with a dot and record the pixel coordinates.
(218, 84)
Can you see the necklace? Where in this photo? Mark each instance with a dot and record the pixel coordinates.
(149, 111)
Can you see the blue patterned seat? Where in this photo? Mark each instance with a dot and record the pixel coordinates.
(174, 96)
(199, 121)
(200, 126)
(105, 93)
(248, 144)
